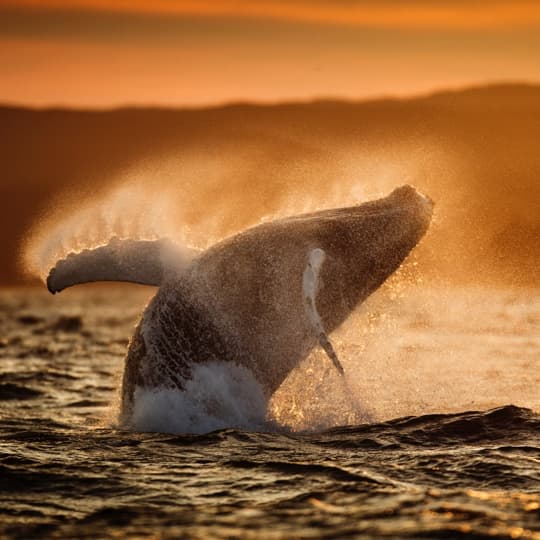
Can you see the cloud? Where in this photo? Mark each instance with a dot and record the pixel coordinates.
(473, 14)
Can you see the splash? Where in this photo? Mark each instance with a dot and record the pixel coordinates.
(129, 211)
(219, 395)
(197, 199)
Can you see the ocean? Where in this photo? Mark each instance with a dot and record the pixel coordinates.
(433, 432)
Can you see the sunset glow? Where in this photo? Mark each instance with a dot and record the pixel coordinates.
(100, 54)
(412, 14)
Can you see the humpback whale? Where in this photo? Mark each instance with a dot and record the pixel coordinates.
(262, 299)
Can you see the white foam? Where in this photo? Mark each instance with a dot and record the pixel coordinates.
(220, 395)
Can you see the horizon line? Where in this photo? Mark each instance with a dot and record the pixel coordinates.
(280, 102)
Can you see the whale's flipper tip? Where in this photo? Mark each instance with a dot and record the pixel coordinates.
(52, 286)
(50, 289)
(326, 344)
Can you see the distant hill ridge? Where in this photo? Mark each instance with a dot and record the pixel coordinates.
(475, 151)
(490, 91)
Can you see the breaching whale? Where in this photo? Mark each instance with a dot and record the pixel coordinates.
(261, 299)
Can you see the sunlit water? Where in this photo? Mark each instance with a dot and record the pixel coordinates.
(428, 355)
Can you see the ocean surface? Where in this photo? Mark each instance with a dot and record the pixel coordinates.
(432, 433)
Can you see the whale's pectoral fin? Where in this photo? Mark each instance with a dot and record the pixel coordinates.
(134, 261)
(310, 285)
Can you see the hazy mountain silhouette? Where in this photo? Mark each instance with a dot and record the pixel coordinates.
(475, 151)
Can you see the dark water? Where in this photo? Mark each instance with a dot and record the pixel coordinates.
(428, 477)
(66, 472)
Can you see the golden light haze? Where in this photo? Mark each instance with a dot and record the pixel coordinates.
(96, 53)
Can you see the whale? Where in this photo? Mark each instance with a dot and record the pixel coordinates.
(262, 299)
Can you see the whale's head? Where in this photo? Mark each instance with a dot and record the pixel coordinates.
(364, 245)
(258, 282)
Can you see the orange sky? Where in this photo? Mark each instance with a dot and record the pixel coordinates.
(101, 53)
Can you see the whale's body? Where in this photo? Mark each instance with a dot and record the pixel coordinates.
(244, 300)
